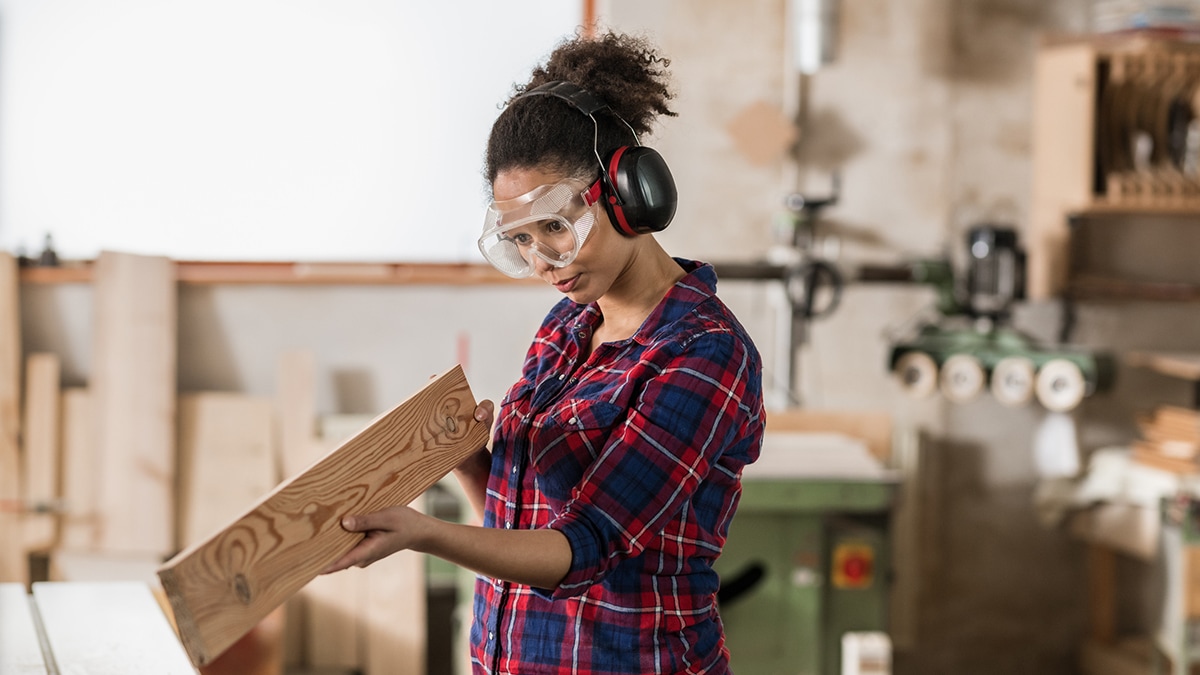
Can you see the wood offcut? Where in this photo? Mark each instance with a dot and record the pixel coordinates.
(222, 587)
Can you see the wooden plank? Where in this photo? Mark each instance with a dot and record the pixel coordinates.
(333, 622)
(108, 628)
(79, 471)
(226, 460)
(41, 451)
(1063, 153)
(133, 390)
(20, 646)
(395, 615)
(297, 401)
(873, 428)
(223, 586)
(1185, 366)
(1191, 571)
(13, 566)
(296, 396)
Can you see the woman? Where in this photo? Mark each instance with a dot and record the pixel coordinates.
(616, 458)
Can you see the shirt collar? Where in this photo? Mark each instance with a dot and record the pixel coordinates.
(698, 285)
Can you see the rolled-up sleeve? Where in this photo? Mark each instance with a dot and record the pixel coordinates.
(687, 415)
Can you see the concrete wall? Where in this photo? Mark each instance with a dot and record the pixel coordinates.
(926, 113)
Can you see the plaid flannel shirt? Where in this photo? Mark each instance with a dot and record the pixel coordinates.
(636, 456)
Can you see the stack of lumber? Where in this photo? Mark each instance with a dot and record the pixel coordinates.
(105, 480)
(1170, 440)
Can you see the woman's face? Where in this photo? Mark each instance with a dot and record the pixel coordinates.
(602, 257)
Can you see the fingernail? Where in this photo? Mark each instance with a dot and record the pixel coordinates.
(348, 523)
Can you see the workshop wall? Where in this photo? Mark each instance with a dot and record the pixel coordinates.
(925, 111)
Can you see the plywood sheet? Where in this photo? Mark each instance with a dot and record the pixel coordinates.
(220, 588)
(42, 459)
(226, 461)
(20, 648)
(13, 567)
(133, 390)
(108, 628)
(79, 476)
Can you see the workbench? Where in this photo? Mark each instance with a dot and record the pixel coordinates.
(98, 628)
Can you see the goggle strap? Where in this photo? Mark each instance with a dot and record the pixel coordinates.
(593, 193)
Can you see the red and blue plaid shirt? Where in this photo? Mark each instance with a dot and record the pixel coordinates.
(636, 455)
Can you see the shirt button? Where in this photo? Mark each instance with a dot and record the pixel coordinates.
(491, 636)
(561, 377)
(508, 525)
(514, 469)
(573, 420)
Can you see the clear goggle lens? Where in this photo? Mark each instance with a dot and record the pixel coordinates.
(550, 223)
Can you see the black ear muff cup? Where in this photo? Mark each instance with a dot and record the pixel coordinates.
(645, 196)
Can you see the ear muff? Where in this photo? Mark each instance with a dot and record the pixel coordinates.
(642, 199)
(636, 186)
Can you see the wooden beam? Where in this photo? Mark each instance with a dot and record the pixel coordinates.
(79, 481)
(332, 273)
(133, 391)
(108, 627)
(226, 459)
(13, 565)
(42, 451)
(220, 588)
(20, 647)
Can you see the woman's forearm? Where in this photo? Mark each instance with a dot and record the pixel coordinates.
(539, 558)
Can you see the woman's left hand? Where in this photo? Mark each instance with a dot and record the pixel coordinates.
(387, 531)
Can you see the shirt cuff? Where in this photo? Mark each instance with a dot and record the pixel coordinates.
(584, 538)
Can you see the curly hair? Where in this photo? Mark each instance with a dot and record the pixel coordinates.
(625, 72)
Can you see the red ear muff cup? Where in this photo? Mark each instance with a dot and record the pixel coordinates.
(645, 191)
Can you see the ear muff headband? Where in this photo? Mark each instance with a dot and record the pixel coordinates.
(638, 190)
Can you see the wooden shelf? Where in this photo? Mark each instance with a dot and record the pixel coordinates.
(1184, 366)
(1105, 288)
(1101, 209)
(353, 273)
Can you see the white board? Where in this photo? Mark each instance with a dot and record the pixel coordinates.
(20, 649)
(108, 628)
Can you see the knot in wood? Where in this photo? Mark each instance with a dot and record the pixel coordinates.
(242, 587)
(451, 424)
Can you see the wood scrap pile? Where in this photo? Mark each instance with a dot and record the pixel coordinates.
(1170, 440)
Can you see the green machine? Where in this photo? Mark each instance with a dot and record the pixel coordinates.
(807, 560)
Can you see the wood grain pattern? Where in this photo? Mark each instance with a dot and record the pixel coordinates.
(13, 567)
(42, 458)
(20, 648)
(220, 588)
(79, 480)
(108, 628)
(133, 391)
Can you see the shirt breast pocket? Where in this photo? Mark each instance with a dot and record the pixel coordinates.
(568, 439)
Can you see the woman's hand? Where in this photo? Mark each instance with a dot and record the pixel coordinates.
(387, 532)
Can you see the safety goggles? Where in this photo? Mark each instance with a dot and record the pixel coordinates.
(550, 222)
